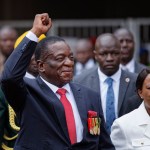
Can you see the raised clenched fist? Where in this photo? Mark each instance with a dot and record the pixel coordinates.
(42, 23)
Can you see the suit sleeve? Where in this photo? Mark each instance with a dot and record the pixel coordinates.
(118, 136)
(14, 70)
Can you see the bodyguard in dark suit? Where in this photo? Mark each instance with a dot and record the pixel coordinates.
(39, 105)
(127, 43)
(127, 89)
(107, 54)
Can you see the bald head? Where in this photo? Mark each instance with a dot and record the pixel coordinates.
(84, 50)
(106, 40)
(127, 44)
(121, 31)
(8, 36)
(82, 43)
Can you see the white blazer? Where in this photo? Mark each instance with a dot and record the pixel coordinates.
(132, 131)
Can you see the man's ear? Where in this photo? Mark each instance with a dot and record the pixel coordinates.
(40, 66)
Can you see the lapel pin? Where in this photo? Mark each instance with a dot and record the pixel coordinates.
(127, 79)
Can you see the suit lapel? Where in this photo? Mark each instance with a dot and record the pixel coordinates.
(95, 83)
(57, 105)
(136, 69)
(80, 102)
(124, 82)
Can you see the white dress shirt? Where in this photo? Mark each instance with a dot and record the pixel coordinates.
(104, 87)
(129, 66)
(80, 67)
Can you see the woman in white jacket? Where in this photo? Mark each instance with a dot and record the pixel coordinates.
(132, 131)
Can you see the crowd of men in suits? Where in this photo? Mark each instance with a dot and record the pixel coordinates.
(39, 107)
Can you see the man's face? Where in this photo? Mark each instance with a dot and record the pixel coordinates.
(83, 56)
(57, 68)
(7, 41)
(127, 45)
(32, 68)
(107, 54)
(84, 51)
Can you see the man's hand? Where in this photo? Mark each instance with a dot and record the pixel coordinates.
(42, 23)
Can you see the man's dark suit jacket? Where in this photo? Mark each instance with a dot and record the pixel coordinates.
(40, 112)
(126, 88)
(139, 67)
(133, 103)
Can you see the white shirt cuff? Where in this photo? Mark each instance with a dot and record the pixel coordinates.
(30, 35)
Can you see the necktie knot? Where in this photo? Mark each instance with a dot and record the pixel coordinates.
(61, 91)
(109, 81)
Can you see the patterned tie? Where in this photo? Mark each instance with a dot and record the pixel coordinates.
(110, 108)
(69, 115)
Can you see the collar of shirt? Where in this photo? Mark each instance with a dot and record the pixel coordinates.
(130, 66)
(30, 76)
(103, 77)
(103, 90)
(55, 88)
(90, 63)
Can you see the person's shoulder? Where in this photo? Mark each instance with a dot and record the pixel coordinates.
(30, 81)
(85, 74)
(124, 125)
(134, 98)
(127, 118)
(139, 67)
(129, 74)
(140, 64)
(84, 88)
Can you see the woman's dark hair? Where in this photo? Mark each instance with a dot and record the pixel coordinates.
(42, 46)
(141, 77)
